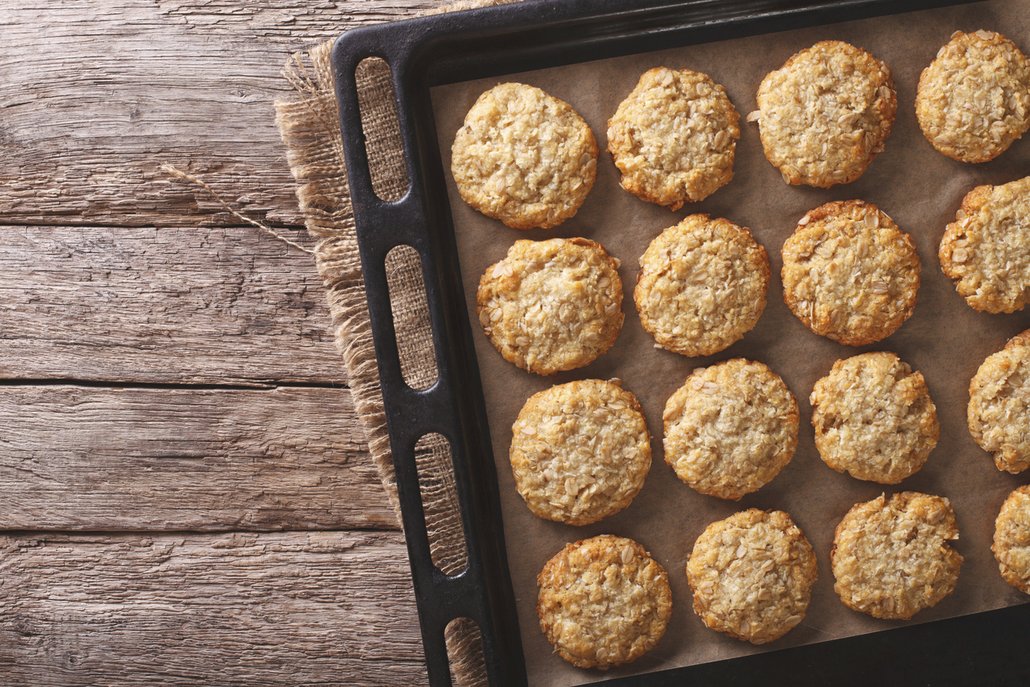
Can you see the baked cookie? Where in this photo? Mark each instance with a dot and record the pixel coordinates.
(730, 428)
(874, 418)
(849, 273)
(825, 114)
(891, 557)
(752, 575)
(674, 137)
(552, 305)
(580, 451)
(702, 285)
(999, 405)
(1011, 545)
(986, 250)
(603, 602)
(524, 157)
(973, 101)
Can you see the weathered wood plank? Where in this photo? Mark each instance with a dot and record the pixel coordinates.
(97, 459)
(123, 86)
(330, 608)
(176, 305)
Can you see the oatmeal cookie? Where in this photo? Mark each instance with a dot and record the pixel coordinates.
(674, 137)
(730, 428)
(986, 250)
(874, 418)
(552, 305)
(603, 602)
(702, 285)
(825, 114)
(752, 575)
(1011, 545)
(524, 157)
(580, 451)
(891, 557)
(973, 101)
(849, 273)
(999, 405)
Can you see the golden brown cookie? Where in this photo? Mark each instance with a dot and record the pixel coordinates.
(1011, 545)
(603, 602)
(874, 418)
(986, 250)
(674, 137)
(825, 114)
(849, 273)
(730, 428)
(891, 557)
(973, 101)
(552, 305)
(580, 451)
(752, 575)
(702, 285)
(999, 405)
(524, 157)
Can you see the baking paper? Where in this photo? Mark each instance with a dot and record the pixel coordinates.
(945, 339)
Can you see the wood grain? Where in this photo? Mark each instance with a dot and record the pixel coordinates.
(330, 608)
(175, 305)
(97, 459)
(123, 86)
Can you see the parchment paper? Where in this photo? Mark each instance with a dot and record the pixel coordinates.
(945, 339)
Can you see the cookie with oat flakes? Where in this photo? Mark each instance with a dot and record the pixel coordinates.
(552, 305)
(524, 157)
(731, 428)
(825, 114)
(752, 575)
(849, 273)
(874, 418)
(603, 602)
(891, 558)
(973, 100)
(986, 250)
(674, 137)
(702, 285)
(1011, 545)
(999, 405)
(580, 451)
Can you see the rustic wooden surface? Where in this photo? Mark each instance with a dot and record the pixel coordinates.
(186, 499)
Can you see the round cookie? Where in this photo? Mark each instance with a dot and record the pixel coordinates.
(580, 451)
(552, 305)
(524, 157)
(874, 418)
(603, 602)
(986, 250)
(973, 101)
(999, 405)
(849, 273)
(1011, 545)
(730, 428)
(702, 285)
(674, 137)
(752, 575)
(825, 114)
(891, 557)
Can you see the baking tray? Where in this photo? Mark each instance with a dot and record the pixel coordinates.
(986, 648)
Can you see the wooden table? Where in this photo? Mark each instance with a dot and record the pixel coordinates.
(183, 483)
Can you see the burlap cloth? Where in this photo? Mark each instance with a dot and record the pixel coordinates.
(310, 129)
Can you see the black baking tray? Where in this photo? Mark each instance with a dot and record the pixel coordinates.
(990, 648)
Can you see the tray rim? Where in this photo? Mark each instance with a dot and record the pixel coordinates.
(424, 52)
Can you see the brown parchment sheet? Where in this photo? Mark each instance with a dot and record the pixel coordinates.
(945, 339)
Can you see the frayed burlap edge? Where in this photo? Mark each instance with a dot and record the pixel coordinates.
(309, 127)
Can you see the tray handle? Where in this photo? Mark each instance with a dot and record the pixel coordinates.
(453, 406)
